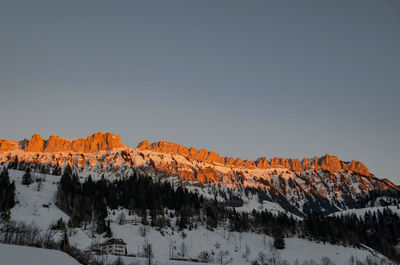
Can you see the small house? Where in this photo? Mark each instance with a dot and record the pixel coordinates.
(113, 246)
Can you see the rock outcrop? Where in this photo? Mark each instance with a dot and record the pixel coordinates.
(327, 162)
(330, 163)
(57, 144)
(96, 142)
(35, 144)
(358, 167)
(7, 145)
(262, 162)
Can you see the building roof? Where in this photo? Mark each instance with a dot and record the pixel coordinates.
(113, 241)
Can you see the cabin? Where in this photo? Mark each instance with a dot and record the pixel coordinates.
(113, 246)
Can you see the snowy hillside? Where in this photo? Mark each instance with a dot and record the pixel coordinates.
(37, 205)
(20, 255)
(200, 239)
(36, 202)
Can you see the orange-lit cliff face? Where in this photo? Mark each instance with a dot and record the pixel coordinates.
(105, 141)
(102, 154)
(7, 145)
(327, 162)
(93, 143)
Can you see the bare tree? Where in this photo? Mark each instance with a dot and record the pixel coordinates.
(148, 252)
(205, 257)
(183, 250)
(143, 230)
(222, 257)
(48, 238)
(217, 245)
(39, 184)
(264, 241)
(262, 258)
(246, 254)
(273, 257)
(326, 261)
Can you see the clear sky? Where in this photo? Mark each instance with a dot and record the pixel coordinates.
(241, 78)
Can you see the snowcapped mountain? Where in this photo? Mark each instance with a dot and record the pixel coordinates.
(324, 184)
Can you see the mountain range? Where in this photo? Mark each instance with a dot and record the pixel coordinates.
(321, 184)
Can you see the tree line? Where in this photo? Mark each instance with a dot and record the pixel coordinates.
(378, 230)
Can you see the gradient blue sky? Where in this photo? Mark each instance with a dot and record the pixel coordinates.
(242, 78)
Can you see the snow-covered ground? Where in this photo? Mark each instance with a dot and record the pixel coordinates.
(20, 255)
(172, 242)
(201, 239)
(38, 206)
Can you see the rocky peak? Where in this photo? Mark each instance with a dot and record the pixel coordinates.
(143, 145)
(262, 162)
(358, 167)
(57, 144)
(7, 145)
(35, 144)
(100, 141)
(330, 163)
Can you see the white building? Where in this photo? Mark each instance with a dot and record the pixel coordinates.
(114, 246)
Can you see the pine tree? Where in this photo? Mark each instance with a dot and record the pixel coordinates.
(7, 192)
(4, 178)
(144, 218)
(64, 246)
(10, 196)
(183, 220)
(279, 242)
(27, 178)
(4, 183)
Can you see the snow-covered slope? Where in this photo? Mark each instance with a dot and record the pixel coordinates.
(30, 208)
(201, 239)
(171, 243)
(36, 202)
(20, 255)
